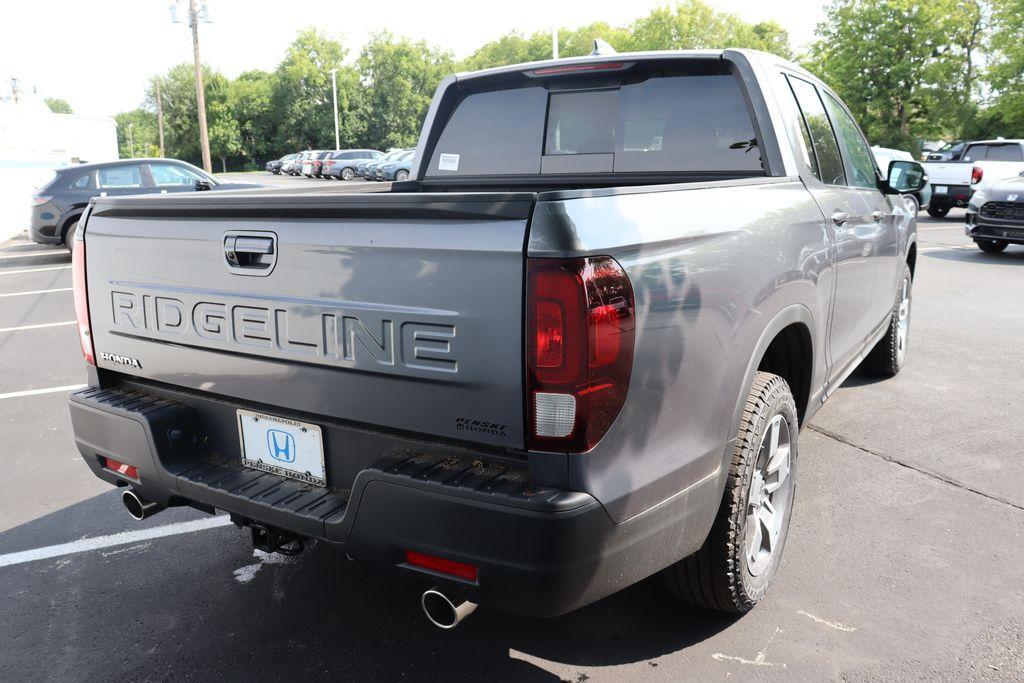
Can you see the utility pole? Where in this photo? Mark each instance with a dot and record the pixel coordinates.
(160, 117)
(554, 42)
(204, 135)
(131, 142)
(14, 89)
(334, 87)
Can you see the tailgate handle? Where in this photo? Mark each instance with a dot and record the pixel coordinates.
(250, 254)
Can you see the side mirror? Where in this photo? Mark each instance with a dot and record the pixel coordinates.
(203, 185)
(905, 177)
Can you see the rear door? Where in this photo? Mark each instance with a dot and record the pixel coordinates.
(122, 179)
(846, 216)
(874, 223)
(396, 311)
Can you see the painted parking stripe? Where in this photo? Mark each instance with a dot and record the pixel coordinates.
(36, 327)
(124, 538)
(47, 390)
(33, 270)
(37, 291)
(30, 254)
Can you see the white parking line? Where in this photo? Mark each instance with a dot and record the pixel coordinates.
(30, 254)
(47, 390)
(37, 291)
(123, 538)
(36, 327)
(33, 270)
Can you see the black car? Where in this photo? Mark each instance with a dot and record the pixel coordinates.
(57, 206)
(275, 165)
(995, 215)
(951, 151)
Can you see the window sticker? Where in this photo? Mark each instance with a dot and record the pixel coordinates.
(448, 162)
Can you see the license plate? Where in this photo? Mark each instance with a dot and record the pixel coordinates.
(941, 189)
(281, 446)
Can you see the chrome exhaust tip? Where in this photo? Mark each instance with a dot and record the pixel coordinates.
(138, 507)
(444, 612)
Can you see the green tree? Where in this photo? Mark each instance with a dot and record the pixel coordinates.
(400, 77)
(181, 114)
(58, 106)
(899, 65)
(251, 102)
(137, 134)
(1005, 113)
(302, 97)
(691, 24)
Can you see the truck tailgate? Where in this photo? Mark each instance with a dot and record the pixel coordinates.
(948, 172)
(396, 310)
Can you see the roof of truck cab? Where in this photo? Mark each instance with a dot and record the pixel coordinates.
(999, 141)
(752, 55)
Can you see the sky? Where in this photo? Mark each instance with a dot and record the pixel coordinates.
(99, 55)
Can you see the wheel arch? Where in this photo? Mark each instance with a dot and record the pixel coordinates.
(72, 214)
(786, 348)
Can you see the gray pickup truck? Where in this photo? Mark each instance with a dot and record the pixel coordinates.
(575, 349)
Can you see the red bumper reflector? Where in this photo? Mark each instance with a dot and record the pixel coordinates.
(121, 468)
(439, 564)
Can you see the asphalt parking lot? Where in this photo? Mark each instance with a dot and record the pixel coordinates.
(903, 560)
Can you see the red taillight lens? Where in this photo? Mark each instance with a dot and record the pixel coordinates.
(81, 299)
(580, 336)
(40, 199)
(976, 174)
(440, 564)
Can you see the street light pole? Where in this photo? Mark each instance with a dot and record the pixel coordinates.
(334, 87)
(131, 141)
(204, 136)
(160, 117)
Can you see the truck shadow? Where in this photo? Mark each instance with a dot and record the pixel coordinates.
(204, 605)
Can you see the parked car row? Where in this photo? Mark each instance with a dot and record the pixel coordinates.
(346, 164)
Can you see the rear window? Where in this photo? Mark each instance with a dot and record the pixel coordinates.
(663, 123)
(1010, 152)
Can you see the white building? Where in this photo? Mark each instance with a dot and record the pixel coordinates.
(33, 142)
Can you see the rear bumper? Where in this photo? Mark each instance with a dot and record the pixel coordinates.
(955, 195)
(539, 551)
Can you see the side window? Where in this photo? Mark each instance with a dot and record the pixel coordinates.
(826, 149)
(1005, 153)
(798, 132)
(120, 176)
(862, 164)
(172, 175)
(82, 182)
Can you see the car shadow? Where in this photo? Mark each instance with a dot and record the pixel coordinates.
(204, 604)
(1014, 255)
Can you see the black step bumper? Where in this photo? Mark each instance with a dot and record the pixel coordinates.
(539, 551)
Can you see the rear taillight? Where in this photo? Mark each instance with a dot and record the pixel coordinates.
(40, 199)
(976, 174)
(81, 299)
(580, 333)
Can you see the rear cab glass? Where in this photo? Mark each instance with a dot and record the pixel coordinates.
(687, 117)
(1012, 151)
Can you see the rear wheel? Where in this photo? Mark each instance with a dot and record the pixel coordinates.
(69, 234)
(890, 353)
(402, 176)
(938, 211)
(734, 568)
(347, 174)
(992, 246)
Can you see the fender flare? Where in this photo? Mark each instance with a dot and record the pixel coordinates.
(796, 313)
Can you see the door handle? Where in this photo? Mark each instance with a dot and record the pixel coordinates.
(252, 254)
(840, 217)
(878, 215)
